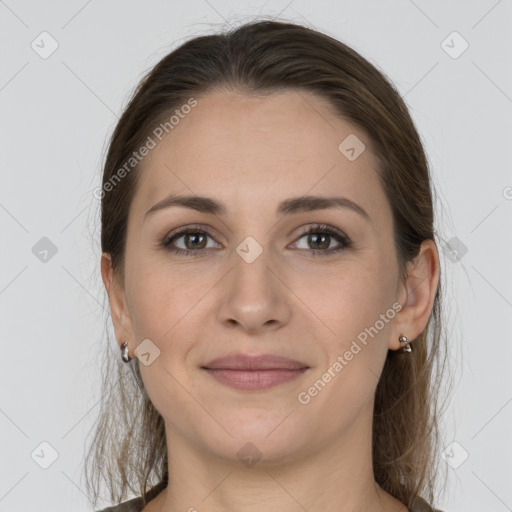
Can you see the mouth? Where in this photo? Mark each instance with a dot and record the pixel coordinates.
(245, 372)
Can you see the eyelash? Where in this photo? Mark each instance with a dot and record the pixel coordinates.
(322, 229)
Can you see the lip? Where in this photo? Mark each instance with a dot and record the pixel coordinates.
(259, 362)
(252, 373)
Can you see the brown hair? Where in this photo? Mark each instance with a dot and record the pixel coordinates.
(261, 57)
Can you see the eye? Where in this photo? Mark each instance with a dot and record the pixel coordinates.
(321, 236)
(195, 240)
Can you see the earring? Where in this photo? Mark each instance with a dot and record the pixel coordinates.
(406, 345)
(125, 352)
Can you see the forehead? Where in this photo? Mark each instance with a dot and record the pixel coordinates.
(247, 150)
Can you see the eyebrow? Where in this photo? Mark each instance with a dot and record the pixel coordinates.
(288, 206)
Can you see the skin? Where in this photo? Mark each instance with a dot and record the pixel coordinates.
(251, 153)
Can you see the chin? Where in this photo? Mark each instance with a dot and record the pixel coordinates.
(251, 451)
(266, 441)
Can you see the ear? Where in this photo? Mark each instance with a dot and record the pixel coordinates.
(117, 299)
(417, 294)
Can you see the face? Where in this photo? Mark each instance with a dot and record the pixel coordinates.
(249, 279)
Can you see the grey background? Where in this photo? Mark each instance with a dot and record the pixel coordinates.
(57, 113)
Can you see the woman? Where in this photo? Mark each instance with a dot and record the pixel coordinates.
(274, 283)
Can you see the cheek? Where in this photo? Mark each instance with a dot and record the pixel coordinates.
(351, 297)
(356, 306)
(167, 306)
(160, 297)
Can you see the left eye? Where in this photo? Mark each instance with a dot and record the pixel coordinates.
(320, 237)
(321, 240)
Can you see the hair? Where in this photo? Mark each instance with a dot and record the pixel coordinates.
(261, 57)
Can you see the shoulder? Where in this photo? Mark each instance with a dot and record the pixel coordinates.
(133, 505)
(137, 504)
(420, 505)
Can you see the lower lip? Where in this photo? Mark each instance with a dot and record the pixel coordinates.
(254, 379)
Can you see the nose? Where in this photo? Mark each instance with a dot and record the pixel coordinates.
(256, 297)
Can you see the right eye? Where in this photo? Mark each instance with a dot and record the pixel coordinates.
(194, 240)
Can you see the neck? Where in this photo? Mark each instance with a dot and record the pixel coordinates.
(337, 476)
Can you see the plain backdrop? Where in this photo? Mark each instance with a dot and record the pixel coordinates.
(67, 70)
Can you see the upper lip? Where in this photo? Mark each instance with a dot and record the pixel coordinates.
(259, 362)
